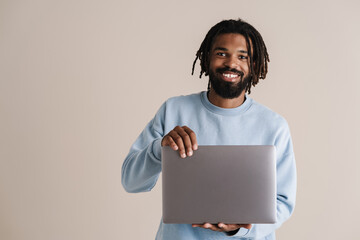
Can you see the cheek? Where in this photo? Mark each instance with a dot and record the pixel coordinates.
(215, 63)
(246, 67)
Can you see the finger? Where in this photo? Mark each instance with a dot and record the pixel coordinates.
(179, 142)
(247, 226)
(196, 225)
(232, 227)
(205, 225)
(169, 141)
(212, 227)
(192, 136)
(185, 139)
(228, 227)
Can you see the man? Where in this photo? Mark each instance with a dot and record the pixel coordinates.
(234, 56)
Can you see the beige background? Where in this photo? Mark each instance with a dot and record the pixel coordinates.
(80, 79)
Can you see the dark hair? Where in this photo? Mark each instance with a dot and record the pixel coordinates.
(258, 59)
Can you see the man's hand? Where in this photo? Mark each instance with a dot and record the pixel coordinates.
(222, 227)
(182, 139)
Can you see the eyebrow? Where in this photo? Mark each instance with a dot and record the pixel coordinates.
(225, 49)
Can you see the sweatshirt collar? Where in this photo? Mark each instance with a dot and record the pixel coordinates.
(225, 111)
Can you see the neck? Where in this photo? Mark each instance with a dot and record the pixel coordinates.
(223, 102)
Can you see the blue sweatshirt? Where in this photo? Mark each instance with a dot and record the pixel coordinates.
(249, 124)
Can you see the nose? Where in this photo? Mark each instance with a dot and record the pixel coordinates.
(232, 62)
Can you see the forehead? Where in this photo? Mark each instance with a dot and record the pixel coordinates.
(230, 41)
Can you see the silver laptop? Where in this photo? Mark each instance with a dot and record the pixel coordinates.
(229, 184)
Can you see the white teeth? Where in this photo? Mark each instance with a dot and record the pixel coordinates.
(230, 75)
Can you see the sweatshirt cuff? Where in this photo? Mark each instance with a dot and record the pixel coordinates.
(241, 233)
(156, 148)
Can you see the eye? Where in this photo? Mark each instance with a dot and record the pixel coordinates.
(220, 54)
(243, 57)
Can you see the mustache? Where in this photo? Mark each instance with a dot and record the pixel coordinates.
(227, 69)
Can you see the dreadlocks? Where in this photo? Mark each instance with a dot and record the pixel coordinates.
(258, 59)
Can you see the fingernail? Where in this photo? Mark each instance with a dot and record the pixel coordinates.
(190, 153)
(183, 155)
(195, 147)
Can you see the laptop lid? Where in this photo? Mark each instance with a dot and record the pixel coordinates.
(230, 184)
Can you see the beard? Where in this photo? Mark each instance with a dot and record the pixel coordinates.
(228, 90)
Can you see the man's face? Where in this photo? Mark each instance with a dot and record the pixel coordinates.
(229, 65)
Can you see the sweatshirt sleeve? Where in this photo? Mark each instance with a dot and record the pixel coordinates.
(142, 166)
(286, 187)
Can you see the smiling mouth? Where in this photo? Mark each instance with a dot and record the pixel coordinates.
(230, 77)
